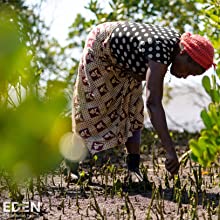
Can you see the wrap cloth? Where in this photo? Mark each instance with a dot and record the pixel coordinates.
(107, 101)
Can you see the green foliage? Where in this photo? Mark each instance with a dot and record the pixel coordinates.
(206, 149)
(31, 112)
(214, 90)
(15, 56)
(30, 135)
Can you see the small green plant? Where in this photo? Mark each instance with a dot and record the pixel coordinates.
(206, 149)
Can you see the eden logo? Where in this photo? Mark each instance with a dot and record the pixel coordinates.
(13, 207)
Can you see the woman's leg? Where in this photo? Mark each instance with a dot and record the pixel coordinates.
(133, 157)
(133, 149)
(133, 143)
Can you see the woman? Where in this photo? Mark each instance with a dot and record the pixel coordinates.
(107, 100)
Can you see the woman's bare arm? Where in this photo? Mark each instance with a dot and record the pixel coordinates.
(154, 80)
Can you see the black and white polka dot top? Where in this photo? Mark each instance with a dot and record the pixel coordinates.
(133, 44)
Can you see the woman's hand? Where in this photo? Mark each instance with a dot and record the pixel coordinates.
(172, 163)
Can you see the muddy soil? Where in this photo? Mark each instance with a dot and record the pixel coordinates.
(101, 192)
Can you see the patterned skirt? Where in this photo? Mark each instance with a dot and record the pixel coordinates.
(107, 100)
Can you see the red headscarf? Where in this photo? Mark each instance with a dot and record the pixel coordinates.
(199, 48)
